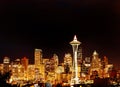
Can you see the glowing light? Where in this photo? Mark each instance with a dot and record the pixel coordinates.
(95, 53)
(75, 44)
(75, 38)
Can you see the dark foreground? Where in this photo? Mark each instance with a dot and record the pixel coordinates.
(93, 85)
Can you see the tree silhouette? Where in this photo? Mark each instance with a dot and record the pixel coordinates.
(4, 77)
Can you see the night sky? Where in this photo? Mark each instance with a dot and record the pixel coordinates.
(51, 24)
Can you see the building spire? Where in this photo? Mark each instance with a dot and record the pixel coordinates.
(75, 38)
(75, 41)
(95, 53)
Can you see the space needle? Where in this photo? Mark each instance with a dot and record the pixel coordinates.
(75, 43)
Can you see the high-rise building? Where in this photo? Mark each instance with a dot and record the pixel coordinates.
(95, 64)
(68, 59)
(56, 60)
(79, 56)
(24, 62)
(6, 62)
(39, 67)
(67, 63)
(38, 57)
(87, 60)
(17, 61)
(95, 60)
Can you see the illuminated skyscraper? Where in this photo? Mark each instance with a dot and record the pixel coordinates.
(67, 63)
(95, 64)
(55, 57)
(6, 62)
(38, 63)
(68, 59)
(38, 57)
(95, 60)
(75, 44)
(24, 62)
(79, 56)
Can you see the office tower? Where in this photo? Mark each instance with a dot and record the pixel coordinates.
(79, 56)
(68, 59)
(38, 57)
(24, 62)
(95, 60)
(95, 65)
(67, 63)
(6, 62)
(87, 60)
(56, 60)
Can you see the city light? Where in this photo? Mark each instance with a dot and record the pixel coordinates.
(73, 70)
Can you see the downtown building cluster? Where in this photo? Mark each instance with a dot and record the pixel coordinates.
(45, 69)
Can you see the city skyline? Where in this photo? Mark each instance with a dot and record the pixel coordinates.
(21, 54)
(51, 25)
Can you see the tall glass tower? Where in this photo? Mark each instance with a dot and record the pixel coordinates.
(38, 57)
(75, 43)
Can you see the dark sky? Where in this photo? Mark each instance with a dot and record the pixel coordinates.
(51, 24)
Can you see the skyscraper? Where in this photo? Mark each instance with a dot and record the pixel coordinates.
(95, 64)
(6, 62)
(79, 56)
(38, 62)
(95, 60)
(38, 57)
(68, 59)
(25, 62)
